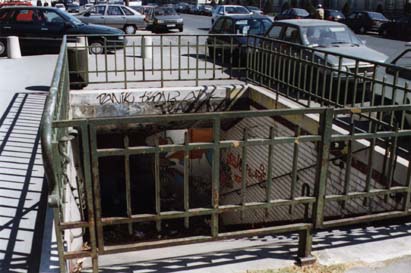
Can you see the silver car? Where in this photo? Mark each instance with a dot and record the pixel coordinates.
(118, 16)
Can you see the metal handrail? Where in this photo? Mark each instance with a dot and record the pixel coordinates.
(46, 129)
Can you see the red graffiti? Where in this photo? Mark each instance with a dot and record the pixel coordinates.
(235, 162)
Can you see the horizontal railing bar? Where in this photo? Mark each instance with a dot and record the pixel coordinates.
(199, 239)
(77, 254)
(364, 218)
(190, 117)
(373, 192)
(357, 136)
(73, 225)
(205, 211)
(200, 146)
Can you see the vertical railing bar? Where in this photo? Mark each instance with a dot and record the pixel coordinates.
(197, 41)
(215, 177)
(157, 184)
(347, 177)
(188, 57)
(125, 67)
(186, 179)
(244, 172)
(96, 188)
(324, 85)
(128, 183)
(214, 55)
(89, 193)
(161, 61)
(339, 80)
(134, 59)
(179, 57)
(269, 170)
(322, 166)
(370, 164)
(294, 171)
(171, 59)
(115, 63)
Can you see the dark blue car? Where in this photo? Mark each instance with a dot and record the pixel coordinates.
(41, 30)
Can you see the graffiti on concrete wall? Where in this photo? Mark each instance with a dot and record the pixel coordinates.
(167, 101)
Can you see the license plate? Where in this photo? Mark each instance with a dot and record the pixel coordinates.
(171, 25)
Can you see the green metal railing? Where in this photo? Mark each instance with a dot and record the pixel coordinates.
(264, 65)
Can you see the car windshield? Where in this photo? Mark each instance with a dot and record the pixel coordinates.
(165, 11)
(301, 12)
(236, 10)
(252, 26)
(72, 19)
(376, 16)
(252, 8)
(326, 36)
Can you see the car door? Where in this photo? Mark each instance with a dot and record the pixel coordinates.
(26, 23)
(95, 15)
(5, 26)
(53, 29)
(115, 17)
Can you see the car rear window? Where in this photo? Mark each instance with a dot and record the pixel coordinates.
(127, 11)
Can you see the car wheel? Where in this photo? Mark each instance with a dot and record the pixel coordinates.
(362, 30)
(130, 29)
(181, 29)
(385, 33)
(3, 48)
(96, 47)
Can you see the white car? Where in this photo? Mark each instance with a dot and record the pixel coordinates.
(60, 6)
(228, 10)
(403, 60)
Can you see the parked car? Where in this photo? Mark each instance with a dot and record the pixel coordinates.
(162, 18)
(228, 10)
(205, 10)
(332, 37)
(253, 24)
(254, 10)
(334, 15)
(60, 6)
(46, 26)
(402, 60)
(364, 21)
(398, 29)
(118, 16)
(15, 3)
(293, 13)
(73, 8)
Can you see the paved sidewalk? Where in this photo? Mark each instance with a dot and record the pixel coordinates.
(23, 192)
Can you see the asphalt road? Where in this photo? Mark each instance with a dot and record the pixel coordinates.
(195, 24)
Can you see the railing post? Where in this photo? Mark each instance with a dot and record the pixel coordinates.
(305, 246)
(322, 166)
